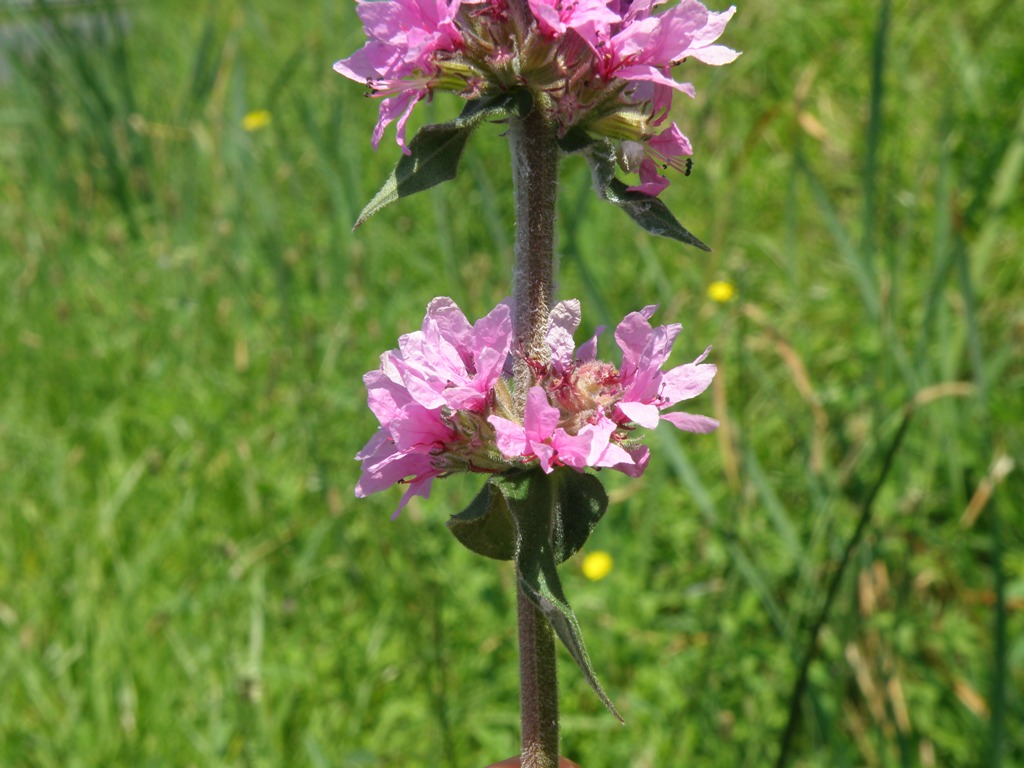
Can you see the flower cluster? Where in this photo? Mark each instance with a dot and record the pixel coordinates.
(603, 65)
(446, 404)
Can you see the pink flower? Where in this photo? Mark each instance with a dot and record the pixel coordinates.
(451, 363)
(664, 150)
(398, 60)
(646, 390)
(686, 30)
(430, 397)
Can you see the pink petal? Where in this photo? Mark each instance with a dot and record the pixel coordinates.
(614, 457)
(541, 417)
(641, 456)
(588, 350)
(691, 422)
(644, 414)
(686, 381)
(385, 397)
(563, 321)
(452, 324)
(418, 487)
(715, 55)
(391, 470)
(660, 347)
(489, 365)
(603, 452)
(377, 448)
(545, 456)
(652, 74)
(465, 399)
(652, 182)
(425, 393)
(493, 331)
(714, 28)
(670, 143)
(399, 106)
(417, 427)
(575, 450)
(632, 336)
(365, 64)
(548, 20)
(509, 436)
(562, 347)
(403, 119)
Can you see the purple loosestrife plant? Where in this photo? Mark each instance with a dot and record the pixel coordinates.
(512, 396)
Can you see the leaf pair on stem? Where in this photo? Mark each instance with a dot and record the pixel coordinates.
(539, 520)
(435, 152)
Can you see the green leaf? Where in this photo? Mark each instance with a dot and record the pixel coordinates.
(575, 140)
(435, 150)
(517, 101)
(651, 214)
(486, 525)
(542, 507)
(580, 502)
(647, 211)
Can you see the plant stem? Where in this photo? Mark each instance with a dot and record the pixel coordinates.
(538, 687)
(532, 140)
(535, 179)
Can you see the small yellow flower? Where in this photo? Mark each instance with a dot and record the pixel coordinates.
(255, 120)
(597, 565)
(721, 291)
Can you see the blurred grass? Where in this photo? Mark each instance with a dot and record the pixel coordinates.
(185, 577)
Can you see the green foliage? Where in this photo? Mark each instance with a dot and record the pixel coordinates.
(539, 520)
(185, 577)
(650, 213)
(435, 150)
(486, 526)
(538, 502)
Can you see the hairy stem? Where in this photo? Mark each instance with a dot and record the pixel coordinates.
(535, 178)
(538, 687)
(534, 149)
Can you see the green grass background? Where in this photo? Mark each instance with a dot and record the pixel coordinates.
(185, 576)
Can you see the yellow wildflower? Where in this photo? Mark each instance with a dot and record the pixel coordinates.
(721, 291)
(597, 565)
(255, 120)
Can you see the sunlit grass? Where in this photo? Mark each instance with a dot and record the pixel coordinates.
(185, 576)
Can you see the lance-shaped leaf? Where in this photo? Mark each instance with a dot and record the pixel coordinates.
(538, 503)
(435, 150)
(647, 211)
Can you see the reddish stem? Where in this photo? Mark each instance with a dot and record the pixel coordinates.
(535, 153)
